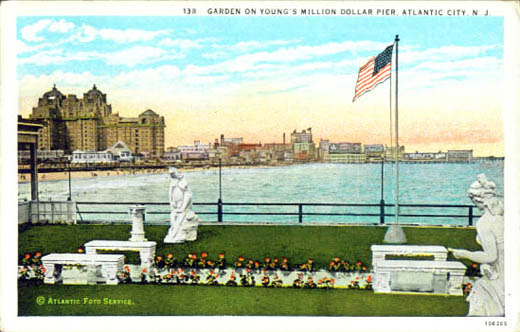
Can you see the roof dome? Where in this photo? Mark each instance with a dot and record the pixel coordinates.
(94, 91)
(53, 93)
(148, 112)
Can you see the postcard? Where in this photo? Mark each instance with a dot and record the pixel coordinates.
(262, 166)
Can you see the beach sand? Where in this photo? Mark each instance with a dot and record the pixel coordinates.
(54, 176)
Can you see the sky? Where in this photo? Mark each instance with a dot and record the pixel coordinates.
(258, 77)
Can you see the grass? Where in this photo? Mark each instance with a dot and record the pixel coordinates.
(297, 243)
(159, 300)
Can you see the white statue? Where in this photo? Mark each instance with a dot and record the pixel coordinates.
(183, 221)
(487, 295)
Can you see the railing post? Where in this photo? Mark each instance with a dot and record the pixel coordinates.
(471, 215)
(219, 210)
(382, 212)
(300, 213)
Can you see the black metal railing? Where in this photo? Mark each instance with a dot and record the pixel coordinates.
(380, 210)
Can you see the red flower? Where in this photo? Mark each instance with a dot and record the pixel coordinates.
(127, 268)
(369, 278)
(144, 271)
(204, 254)
(27, 256)
(358, 263)
(43, 270)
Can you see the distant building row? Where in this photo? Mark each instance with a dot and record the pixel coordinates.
(303, 149)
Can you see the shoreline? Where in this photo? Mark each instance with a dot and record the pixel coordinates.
(64, 175)
(59, 176)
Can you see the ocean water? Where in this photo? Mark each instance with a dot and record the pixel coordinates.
(307, 183)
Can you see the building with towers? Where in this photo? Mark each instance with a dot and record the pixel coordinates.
(88, 124)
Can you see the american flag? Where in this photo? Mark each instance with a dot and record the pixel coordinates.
(375, 71)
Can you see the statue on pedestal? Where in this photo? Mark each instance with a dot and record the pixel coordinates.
(487, 296)
(183, 221)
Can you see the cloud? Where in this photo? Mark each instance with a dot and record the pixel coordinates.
(181, 43)
(135, 55)
(30, 32)
(248, 62)
(129, 35)
(247, 46)
(61, 26)
(88, 33)
(215, 55)
(129, 57)
(446, 53)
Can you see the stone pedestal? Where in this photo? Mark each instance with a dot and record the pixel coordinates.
(137, 213)
(394, 234)
(184, 228)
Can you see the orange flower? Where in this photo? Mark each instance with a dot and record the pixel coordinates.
(364, 268)
(369, 278)
(144, 271)
(159, 258)
(170, 255)
(127, 268)
(331, 263)
(474, 265)
(38, 254)
(221, 255)
(27, 256)
(204, 255)
(80, 250)
(44, 269)
(358, 263)
(240, 258)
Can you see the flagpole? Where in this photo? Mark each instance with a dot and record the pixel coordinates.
(394, 233)
(396, 153)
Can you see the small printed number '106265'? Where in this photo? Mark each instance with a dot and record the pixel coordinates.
(189, 11)
(495, 323)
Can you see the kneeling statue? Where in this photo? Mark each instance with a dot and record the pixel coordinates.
(488, 294)
(183, 221)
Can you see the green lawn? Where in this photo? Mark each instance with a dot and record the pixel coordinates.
(298, 243)
(158, 300)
